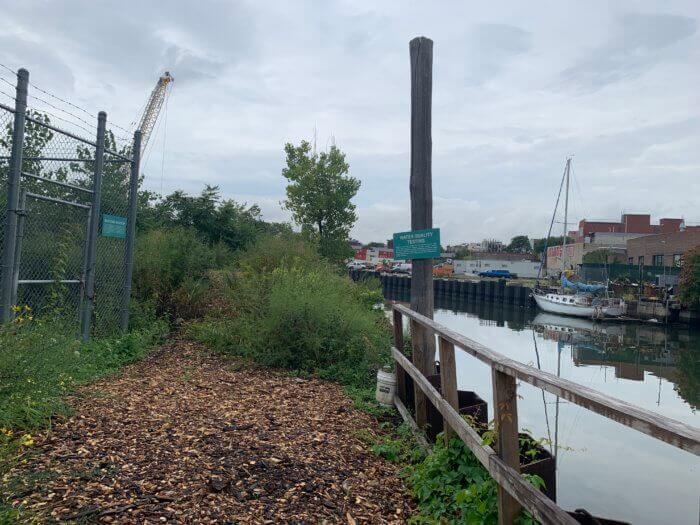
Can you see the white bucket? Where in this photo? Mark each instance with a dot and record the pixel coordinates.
(386, 387)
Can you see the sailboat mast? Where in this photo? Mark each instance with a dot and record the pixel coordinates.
(566, 213)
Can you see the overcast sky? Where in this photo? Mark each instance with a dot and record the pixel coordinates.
(517, 87)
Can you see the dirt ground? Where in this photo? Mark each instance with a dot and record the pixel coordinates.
(188, 437)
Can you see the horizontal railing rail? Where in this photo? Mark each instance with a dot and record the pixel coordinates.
(503, 464)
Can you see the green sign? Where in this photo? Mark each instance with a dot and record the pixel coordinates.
(113, 226)
(418, 244)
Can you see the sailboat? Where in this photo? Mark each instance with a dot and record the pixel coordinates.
(572, 297)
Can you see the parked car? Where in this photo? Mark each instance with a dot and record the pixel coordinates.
(356, 265)
(403, 268)
(500, 274)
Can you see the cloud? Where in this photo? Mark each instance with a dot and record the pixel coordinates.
(637, 43)
(516, 89)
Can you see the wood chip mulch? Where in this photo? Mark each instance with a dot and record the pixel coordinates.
(185, 437)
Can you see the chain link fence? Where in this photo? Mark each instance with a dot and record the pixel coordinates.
(68, 236)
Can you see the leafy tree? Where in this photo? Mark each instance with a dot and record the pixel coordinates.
(217, 220)
(319, 196)
(519, 244)
(375, 244)
(689, 281)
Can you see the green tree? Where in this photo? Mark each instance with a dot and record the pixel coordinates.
(519, 244)
(319, 196)
(217, 220)
(689, 281)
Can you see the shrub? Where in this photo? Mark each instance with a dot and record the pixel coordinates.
(171, 270)
(284, 306)
(316, 323)
(451, 486)
(689, 281)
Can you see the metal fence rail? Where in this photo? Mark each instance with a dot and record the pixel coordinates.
(503, 464)
(57, 190)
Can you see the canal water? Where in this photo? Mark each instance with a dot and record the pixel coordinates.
(607, 468)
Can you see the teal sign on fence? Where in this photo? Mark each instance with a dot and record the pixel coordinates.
(418, 244)
(113, 226)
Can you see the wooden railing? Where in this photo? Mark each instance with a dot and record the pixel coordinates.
(503, 464)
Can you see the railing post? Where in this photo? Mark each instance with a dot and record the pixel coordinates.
(508, 448)
(13, 186)
(398, 344)
(448, 380)
(94, 226)
(131, 231)
(418, 357)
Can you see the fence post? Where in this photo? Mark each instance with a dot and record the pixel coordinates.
(20, 238)
(508, 447)
(94, 226)
(399, 344)
(448, 381)
(131, 231)
(13, 187)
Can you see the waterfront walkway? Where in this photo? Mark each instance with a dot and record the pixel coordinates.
(187, 436)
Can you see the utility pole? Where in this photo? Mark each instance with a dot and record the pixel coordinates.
(422, 300)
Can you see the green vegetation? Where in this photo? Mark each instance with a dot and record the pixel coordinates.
(689, 282)
(519, 244)
(319, 194)
(40, 363)
(282, 305)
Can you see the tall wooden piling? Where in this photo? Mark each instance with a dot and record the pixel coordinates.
(422, 294)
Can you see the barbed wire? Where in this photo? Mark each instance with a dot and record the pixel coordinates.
(8, 96)
(89, 114)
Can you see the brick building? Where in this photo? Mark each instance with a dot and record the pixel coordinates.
(629, 223)
(664, 249)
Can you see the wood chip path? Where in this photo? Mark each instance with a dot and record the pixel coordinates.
(185, 437)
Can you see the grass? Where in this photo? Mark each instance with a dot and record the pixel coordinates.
(40, 363)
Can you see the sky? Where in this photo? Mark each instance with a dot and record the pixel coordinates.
(517, 87)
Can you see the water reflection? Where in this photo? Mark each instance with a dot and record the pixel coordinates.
(607, 468)
(669, 353)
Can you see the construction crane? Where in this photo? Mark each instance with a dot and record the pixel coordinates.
(152, 109)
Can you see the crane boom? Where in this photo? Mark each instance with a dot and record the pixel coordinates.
(150, 113)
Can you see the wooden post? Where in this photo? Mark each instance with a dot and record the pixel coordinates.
(508, 448)
(398, 344)
(423, 341)
(448, 380)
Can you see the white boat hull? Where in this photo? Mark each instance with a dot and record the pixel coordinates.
(568, 305)
(564, 309)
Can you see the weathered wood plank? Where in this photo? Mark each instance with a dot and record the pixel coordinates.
(532, 499)
(681, 435)
(448, 380)
(417, 432)
(540, 506)
(399, 343)
(418, 357)
(466, 433)
(505, 407)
